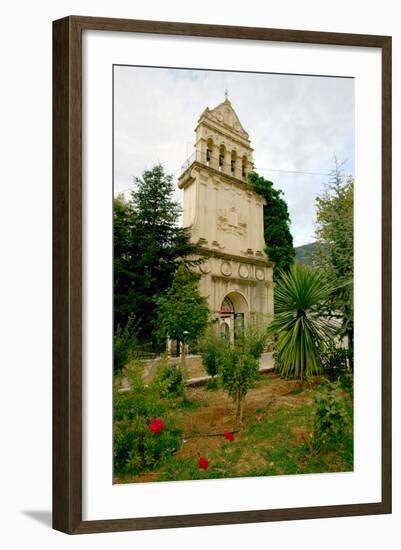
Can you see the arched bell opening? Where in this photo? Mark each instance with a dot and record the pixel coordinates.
(244, 167)
(233, 164)
(209, 151)
(222, 157)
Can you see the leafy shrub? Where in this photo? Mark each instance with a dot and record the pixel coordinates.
(169, 380)
(136, 447)
(253, 340)
(212, 384)
(125, 342)
(346, 381)
(211, 347)
(333, 415)
(335, 360)
(238, 371)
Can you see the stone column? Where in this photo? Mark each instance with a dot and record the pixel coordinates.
(201, 151)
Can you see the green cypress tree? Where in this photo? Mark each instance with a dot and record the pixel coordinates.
(279, 241)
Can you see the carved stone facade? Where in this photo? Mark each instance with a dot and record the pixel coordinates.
(225, 217)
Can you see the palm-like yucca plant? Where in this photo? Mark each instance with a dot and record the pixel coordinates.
(299, 329)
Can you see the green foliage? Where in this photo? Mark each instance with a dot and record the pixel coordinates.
(238, 374)
(346, 380)
(125, 343)
(169, 380)
(212, 346)
(274, 441)
(299, 329)
(335, 360)
(148, 244)
(335, 231)
(333, 415)
(182, 311)
(253, 339)
(238, 366)
(239, 371)
(136, 448)
(277, 222)
(296, 391)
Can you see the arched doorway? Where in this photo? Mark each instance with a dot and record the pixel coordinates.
(233, 312)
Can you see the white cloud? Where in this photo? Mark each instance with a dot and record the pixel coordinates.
(295, 123)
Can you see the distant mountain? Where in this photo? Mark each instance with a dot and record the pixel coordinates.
(304, 253)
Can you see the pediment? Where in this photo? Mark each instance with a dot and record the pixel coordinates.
(224, 114)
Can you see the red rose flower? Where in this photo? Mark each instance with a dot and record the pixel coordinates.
(156, 426)
(229, 436)
(203, 462)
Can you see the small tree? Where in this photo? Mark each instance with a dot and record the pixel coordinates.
(182, 311)
(239, 372)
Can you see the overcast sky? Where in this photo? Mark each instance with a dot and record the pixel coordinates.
(295, 123)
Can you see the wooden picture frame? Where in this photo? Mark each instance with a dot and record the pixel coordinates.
(67, 274)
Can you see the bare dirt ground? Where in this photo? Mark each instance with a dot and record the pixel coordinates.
(218, 416)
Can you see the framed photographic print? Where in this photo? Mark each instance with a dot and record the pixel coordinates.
(222, 274)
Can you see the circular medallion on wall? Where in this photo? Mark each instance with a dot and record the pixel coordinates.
(260, 274)
(226, 268)
(243, 271)
(205, 267)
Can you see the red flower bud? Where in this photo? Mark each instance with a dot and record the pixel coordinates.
(229, 436)
(203, 462)
(156, 426)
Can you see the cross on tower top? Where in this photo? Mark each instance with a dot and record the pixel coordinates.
(226, 94)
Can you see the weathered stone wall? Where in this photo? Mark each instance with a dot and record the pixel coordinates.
(194, 367)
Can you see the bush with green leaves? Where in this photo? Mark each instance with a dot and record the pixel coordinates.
(211, 346)
(238, 374)
(346, 380)
(136, 447)
(299, 329)
(333, 415)
(335, 360)
(169, 380)
(125, 342)
(253, 339)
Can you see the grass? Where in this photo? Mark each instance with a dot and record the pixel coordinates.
(187, 405)
(297, 391)
(271, 446)
(277, 438)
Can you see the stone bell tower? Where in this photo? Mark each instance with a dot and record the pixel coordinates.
(225, 217)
